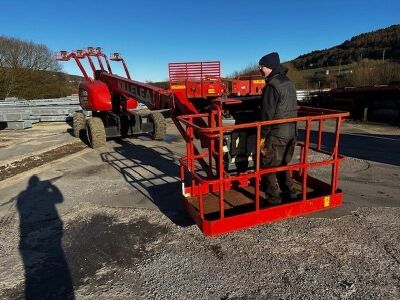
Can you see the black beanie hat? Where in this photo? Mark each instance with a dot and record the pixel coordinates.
(270, 60)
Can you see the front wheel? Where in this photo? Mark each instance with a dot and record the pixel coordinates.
(96, 133)
(160, 127)
(78, 124)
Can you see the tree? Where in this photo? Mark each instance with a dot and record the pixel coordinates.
(29, 70)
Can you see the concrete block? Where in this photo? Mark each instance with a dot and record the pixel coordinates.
(53, 118)
(11, 116)
(50, 111)
(19, 125)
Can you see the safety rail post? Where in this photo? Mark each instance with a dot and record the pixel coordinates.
(305, 158)
(301, 159)
(192, 160)
(201, 79)
(186, 80)
(182, 172)
(189, 155)
(211, 145)
(221, 174)
(320, 127)
(258, 156)
(335, 166)
(201, 203)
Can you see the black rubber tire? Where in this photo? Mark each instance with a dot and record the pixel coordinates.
(96, 133)
(160, 127)
(78, 124)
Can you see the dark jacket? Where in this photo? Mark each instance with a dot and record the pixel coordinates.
(279, 102)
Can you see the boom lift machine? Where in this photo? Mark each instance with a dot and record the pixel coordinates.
(221, 171)
(112, 102)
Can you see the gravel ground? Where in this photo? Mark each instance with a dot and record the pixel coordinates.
(106, 224)
(139, 254)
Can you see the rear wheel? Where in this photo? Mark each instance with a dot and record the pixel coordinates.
(160, 127)
(96, 133)
(78, 124)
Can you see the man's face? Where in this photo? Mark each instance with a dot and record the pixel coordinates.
(264, 70)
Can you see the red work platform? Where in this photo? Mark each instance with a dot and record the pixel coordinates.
(221, 202)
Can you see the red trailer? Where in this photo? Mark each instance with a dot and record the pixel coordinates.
(221, 170)
(247, 85)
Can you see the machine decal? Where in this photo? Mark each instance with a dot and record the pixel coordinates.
(142, 94)
(327, 201)
(258, 81)
(178, 87)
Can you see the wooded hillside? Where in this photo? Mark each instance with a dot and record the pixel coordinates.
(29, 71)
(383, 44)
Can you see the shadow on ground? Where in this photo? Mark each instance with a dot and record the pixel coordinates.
(152, 172)
(47, 274)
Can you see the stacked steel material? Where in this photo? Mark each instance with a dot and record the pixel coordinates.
(21, 114)
(302, 95)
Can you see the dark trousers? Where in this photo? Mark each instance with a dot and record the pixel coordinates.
(279, 153)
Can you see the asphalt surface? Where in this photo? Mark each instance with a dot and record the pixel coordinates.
(108, 224)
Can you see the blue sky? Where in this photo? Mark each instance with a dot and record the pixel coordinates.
(150, 34)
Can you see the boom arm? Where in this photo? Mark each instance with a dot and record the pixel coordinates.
(152, 96)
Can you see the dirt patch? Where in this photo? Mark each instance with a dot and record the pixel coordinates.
(31, 162)
(96, 253)
(102, 245)
(217, 251)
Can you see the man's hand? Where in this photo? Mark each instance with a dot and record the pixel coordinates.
(263, 148)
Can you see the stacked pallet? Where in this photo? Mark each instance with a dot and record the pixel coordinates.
(21, 114)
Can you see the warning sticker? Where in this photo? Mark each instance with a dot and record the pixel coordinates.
(327, 201)
(178, 87)
(258, 81)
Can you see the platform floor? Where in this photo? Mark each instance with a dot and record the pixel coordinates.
(241, 200)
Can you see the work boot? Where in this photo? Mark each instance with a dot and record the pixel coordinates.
(273, 199)
(291, 195)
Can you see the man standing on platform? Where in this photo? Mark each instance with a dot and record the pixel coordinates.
(277, 141)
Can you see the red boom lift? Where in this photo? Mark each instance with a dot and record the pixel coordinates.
(112, 99)
(221, 170)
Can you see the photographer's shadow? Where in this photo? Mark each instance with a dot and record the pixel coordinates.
(47, 275)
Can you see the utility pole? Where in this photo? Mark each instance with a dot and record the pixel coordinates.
(383, 55)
